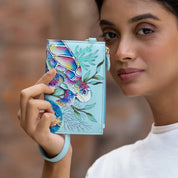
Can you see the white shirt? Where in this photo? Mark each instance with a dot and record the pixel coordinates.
(156, 156)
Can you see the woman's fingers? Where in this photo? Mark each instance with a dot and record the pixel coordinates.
(38, 119)
(46, 121)
(47, 77)
(32, 92)
(34, 107)
(36, 115)
(42, 131)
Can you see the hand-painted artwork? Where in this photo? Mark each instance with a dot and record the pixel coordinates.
(74, 81)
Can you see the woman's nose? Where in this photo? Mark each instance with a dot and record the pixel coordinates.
(125, 51)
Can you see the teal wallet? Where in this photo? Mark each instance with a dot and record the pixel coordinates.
(79, 99)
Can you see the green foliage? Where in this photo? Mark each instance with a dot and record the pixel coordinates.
(77, 114)
(91, 117)
(79, 111)
(85, 56)
(95, 79)
(59, 92)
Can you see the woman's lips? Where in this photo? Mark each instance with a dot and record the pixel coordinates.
(129, 74)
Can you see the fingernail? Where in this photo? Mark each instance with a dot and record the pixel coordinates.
(52, 88)
(50, 71)
(53, 124)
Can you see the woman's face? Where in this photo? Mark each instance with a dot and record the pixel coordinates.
(143, 40)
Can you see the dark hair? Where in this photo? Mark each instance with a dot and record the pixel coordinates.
(170, 5)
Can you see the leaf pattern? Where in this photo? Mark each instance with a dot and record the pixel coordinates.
(79, 111)
(95, 82)
(86, 76)
(77, 114)
(90, 106)
(98, 77)
(91, 117)
(99, 66)
(85, 55)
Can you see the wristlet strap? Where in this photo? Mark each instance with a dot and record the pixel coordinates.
(61, 154)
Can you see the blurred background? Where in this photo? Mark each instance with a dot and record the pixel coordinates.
(24, 27)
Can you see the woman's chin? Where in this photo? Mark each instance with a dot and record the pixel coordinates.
(132, 92)
(134, 88)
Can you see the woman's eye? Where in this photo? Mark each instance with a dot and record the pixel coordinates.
(145, 31)
(109, 35)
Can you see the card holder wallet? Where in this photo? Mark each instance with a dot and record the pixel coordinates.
(79, 99)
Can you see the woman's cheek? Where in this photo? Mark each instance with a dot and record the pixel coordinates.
(114, 65)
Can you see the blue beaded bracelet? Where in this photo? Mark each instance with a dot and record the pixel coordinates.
(61, 154)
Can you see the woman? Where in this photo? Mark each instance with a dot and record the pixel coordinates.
(143, 39)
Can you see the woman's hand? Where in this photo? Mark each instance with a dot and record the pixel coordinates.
(36, 115)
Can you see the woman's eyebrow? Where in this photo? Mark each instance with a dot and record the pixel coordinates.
(132, 20)
(143, 16)
(105, 22)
